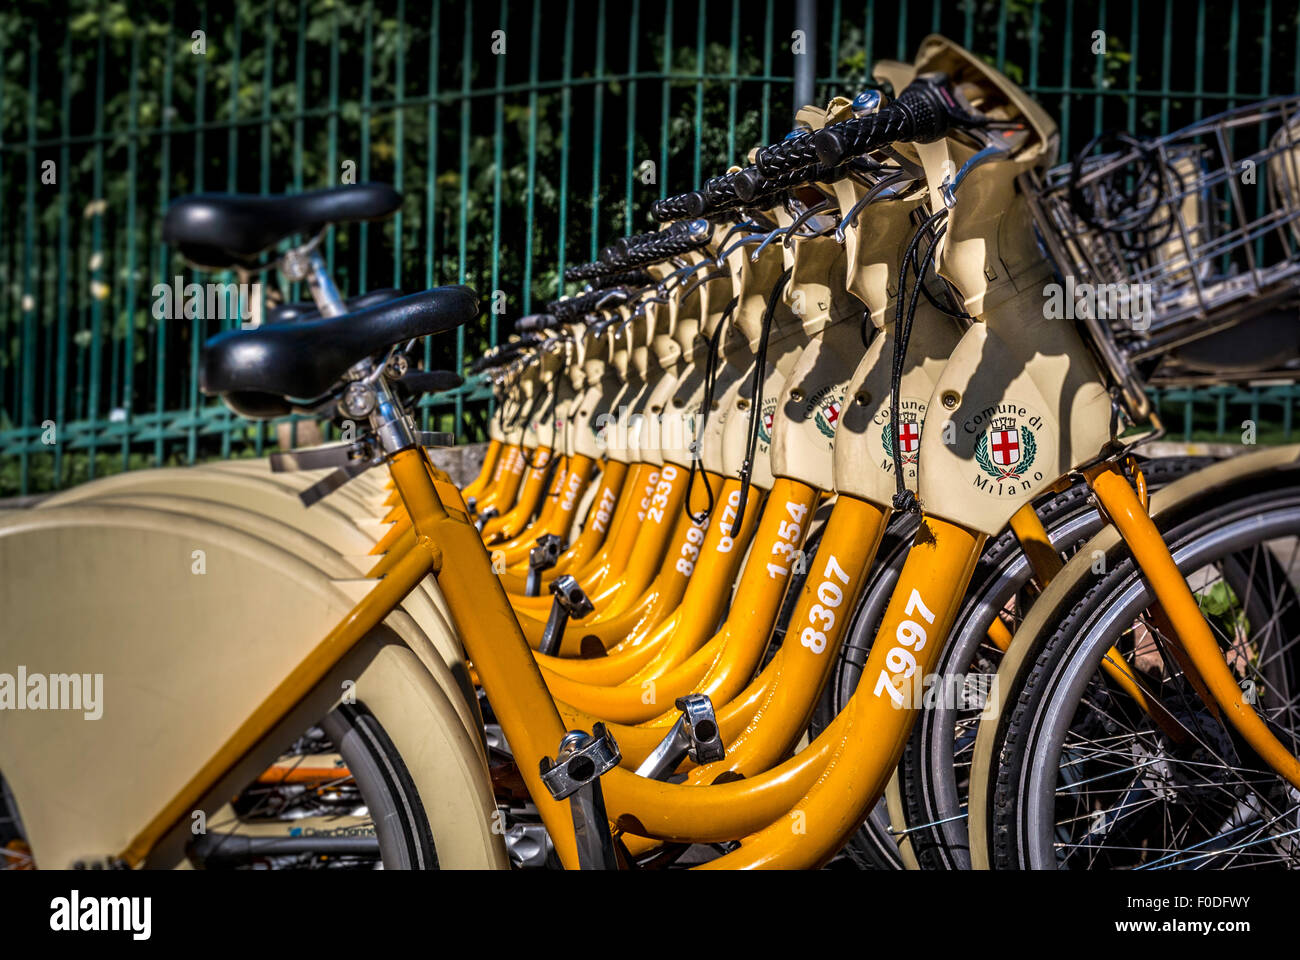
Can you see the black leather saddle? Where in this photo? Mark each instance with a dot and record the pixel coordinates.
(306, 310)
(259, 372)
(223, 230)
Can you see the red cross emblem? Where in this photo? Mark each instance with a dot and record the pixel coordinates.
(1005, 445)
(767, 424)
(832, 413)
(909, 437)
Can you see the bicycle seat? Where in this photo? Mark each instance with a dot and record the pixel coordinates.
(306, 310)
(221, 230)
(305, 360)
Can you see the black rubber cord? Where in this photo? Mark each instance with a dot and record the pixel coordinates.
(710, 380)
(756, 400)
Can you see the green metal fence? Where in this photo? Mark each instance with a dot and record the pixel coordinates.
(524, 135)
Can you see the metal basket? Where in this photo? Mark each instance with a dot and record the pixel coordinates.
(1178, 237)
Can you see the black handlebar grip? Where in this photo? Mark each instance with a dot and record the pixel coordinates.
(625, 278)
(677, 207)
(534, 321)
(792, 153)
(751, 186)
(923, 113)
(586, 271)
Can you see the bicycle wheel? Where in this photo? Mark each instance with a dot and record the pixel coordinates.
(368, 816)
(1088, 780)
(935, 768)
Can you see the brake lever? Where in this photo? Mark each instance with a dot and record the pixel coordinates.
(753, 257)
(722, 257)
(995, 149)
(792, 232)
(888, 184)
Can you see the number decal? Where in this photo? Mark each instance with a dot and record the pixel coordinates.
(791, 534)
(649, 492)
(822, 615)
(728, 518)
(900, 661)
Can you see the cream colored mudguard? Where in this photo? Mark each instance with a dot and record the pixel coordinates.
(269, 496)
(191, 623)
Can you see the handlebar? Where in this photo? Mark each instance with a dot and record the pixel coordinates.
(924, 112)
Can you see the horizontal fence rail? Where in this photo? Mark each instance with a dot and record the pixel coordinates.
(523, 135)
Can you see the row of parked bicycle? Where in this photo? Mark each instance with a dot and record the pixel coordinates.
(807, 529)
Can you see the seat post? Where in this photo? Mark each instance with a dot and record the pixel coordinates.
(306, 263)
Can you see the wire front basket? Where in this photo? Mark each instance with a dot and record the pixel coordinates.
(1167, 240)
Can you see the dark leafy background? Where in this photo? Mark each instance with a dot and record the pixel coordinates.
(572, 119)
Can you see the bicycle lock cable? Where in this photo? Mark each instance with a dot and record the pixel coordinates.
(756, 398)
(904, 499)
(523, 451)
(710, 381)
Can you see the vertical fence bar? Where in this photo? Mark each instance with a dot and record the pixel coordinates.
(1165, 66)
(1067, 65)
(1135, 46)
(1265, 69)
(633, 36)
(300, 105)
(498, 147)
(530, 193)
(1232, 53)
(699, 89)
(128, 356)
(1200, 57)
(732, 84)
(399, 116)
(835, 48)
(666, 65)
(196, 326)
(332, 130)
(367, 103)
(259, 434)
(598, 124)
(1036, 28)
(1099, 71)
(431, 185)
(466, 73)
(61, 280)
(164, 257)
(232, 185)
(566, 111)
(767, 73)
(1002, 35)
(97, 255)
(5, 276)
(27, 306)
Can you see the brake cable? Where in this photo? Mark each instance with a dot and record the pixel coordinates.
(756, 399)
(904, 499)
(710, 381)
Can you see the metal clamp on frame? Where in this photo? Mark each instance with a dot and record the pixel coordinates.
(541, 558)
(570, 602)
(484, 517)
(695, 734)
(575, 776)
